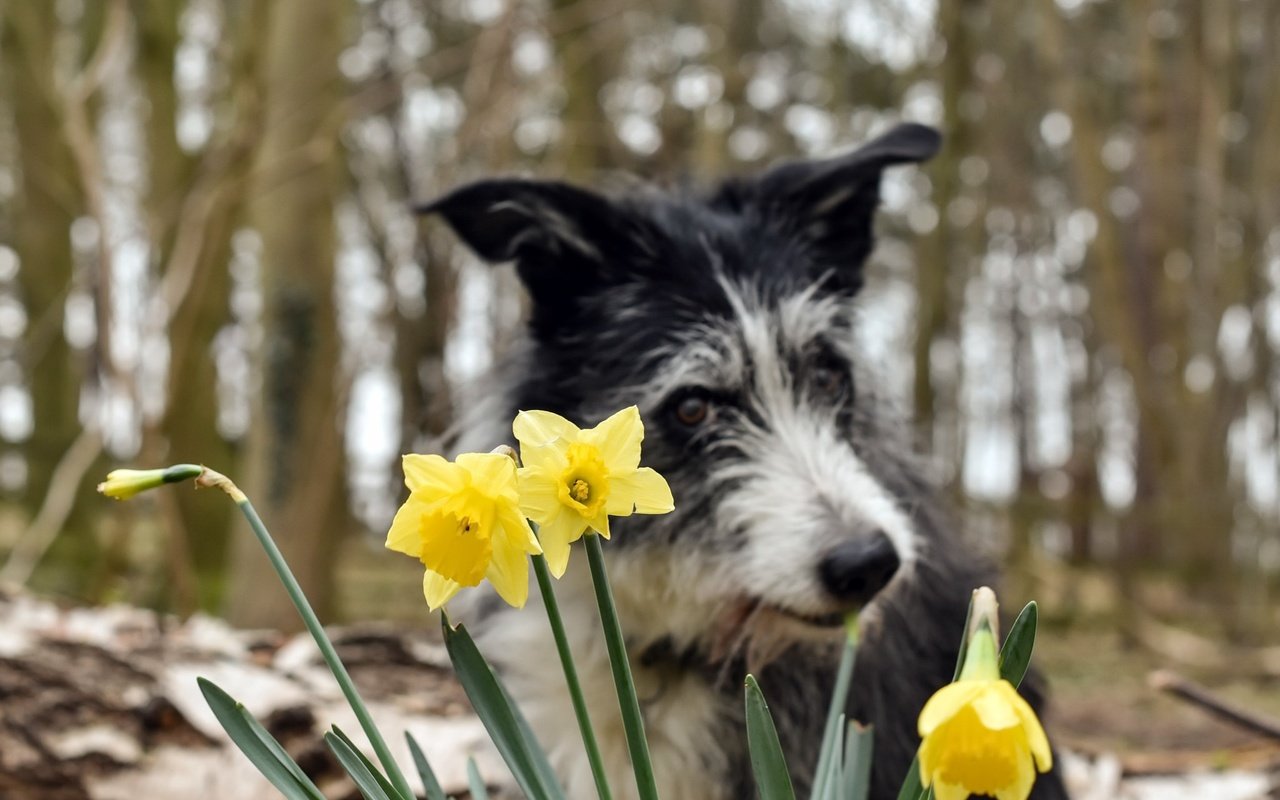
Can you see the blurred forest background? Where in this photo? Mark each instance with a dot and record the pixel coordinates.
(207, 254)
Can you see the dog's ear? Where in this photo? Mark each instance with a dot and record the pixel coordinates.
(831, 204)
(564, 240)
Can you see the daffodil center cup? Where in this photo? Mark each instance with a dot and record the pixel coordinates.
(982, 760)
(584, 486)
(457, 547)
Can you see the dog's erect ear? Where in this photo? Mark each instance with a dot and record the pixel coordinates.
(831, 203)
(564, 240)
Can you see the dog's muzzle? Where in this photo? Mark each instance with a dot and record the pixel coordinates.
(854, 572)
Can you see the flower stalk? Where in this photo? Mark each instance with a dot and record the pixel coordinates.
(632, 719)
(210, 478)
(571, 677)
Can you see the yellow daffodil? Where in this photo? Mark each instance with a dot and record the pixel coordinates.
(121, 484)
(575, 479)
(980, 736)
(463, 521)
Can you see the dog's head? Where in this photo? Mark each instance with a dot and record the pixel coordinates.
(729, 320)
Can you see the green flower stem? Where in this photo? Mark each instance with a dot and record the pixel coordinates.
(211, 478)
(632, 721)
(571, 677)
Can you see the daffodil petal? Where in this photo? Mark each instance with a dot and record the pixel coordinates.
(432, 474)
(618, 440)
(493, 474)
(946, 703)
(514, 529)
(644, 490)
(537, 428)
(405, 535)
(556, 536)
(929, 762)
(539, 495)
(1036, 739)
(509, 574)
(995, 706)
(556, 551)
(601, 523)
(548, 459)
(438, 589)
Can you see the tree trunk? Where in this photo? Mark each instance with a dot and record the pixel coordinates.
(295, 476)
(938, 253)
(50, 201)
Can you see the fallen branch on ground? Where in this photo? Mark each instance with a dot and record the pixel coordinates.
(1192, 692)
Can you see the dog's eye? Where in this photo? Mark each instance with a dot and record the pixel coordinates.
(692, 409)
(828, 380)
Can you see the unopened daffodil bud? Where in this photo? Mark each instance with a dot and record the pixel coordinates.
(122, 484)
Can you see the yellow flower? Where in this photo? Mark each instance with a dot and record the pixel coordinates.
(574, 479)
(122, 484)
(463, 521)
(980, 736)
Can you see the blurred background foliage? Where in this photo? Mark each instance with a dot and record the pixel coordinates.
(207, 254)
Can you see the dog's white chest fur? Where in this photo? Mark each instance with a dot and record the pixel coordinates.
(686, 722)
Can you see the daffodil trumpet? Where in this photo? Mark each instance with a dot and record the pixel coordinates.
(572, 480)
(980, 737)
(462, 520)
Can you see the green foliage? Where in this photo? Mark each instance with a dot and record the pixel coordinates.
(497, 713)
(826, 776)
(1015, 655)
(474, 782)
(259, 746)
(429, 782)
(773, 779)
(964, 642)
(912, 788)
(372, 786)
(858, 743)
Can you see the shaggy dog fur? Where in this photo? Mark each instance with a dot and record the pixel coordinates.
(730, 319)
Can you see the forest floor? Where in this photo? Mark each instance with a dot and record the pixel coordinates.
(100, 702)
(1101, 701)
(101, 705)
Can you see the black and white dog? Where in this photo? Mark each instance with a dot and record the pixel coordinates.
(729, 319)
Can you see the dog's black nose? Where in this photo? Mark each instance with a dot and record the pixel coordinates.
(854, 571)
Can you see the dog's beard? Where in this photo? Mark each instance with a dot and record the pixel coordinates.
(757, 634)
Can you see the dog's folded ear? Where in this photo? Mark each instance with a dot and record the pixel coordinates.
(564, 240)
(831, 203)
(510, 219)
